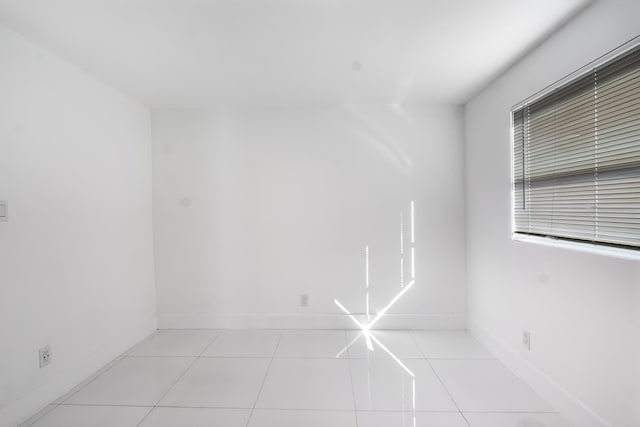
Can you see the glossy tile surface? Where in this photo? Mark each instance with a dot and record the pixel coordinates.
(383, 384)
(406, 419)
(93, 416)
(83, 384)
(515, 420)
(399, 343)
(450, 345)
(196, 417)
(487, 386)
(136, 381)
(307, 384)
(241, 343)
(219, 383)
(176, 343)
(265, 378)
(302, 418)
(314, 344)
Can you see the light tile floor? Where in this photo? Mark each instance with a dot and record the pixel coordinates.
(266, 378)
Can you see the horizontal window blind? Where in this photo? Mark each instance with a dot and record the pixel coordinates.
(576, 158)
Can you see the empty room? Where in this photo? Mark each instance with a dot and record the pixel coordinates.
(319, 213)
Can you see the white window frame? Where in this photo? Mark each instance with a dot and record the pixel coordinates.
(550, 241)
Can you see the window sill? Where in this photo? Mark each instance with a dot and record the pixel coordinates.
(609, 251)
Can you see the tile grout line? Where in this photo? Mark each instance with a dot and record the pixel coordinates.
(201, 356)
(264, 380)
(96, 375)
(304, 409)
(107, 366)
(440, 380)
(141, 343)
(195, 359)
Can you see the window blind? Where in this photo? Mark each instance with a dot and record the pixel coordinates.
(576, 158)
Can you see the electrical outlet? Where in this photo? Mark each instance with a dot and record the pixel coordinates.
(4, 211)
(304, 300)
(526, 340)
(45, 356)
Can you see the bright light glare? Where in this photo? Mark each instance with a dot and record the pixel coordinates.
(413, 241)
(349, 345)
(413, 237)
(367, 337)
(343, 308)
(365, 328)
(393, 356)
(413, 263)
(401, 251)
(388, 306)
(366, 261)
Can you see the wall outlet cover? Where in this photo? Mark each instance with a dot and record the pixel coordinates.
(304, 300)
(526, 340)
(4, 211)
(45, 356)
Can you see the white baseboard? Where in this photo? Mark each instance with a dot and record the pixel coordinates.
(73, 373)
(305, 321)
(570, 407)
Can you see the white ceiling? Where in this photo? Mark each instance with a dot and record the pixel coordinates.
(189, 53)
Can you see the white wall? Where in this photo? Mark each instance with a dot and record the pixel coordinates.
(254, 208)
(76, 257)
(583, 310)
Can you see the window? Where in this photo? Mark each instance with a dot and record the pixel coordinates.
(576, 156)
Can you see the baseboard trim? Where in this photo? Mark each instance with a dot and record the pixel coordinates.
(570, 407)
(305, 321)
(73, 373)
